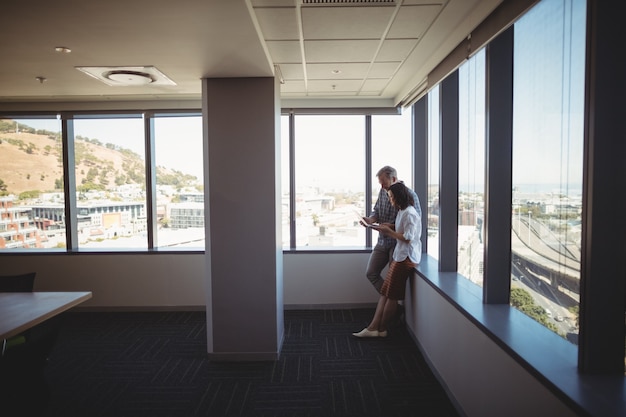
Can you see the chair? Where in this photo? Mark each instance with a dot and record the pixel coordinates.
(24, 356)
(16, 283)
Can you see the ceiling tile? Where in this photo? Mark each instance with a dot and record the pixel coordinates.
(340, 51)
(395, 49)
(339, 86)
(278, 23)
(413, 21)
(347, 71)
(375, 85)
(369, 93)
(293, 87)
(345, 22)
(383, 69)
(332, 93)
(292, 71)
(284, 51)
(273, 3)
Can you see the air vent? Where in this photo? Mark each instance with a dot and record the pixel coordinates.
(344, 2)
(128, 76)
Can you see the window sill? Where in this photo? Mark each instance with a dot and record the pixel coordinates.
(544, 354)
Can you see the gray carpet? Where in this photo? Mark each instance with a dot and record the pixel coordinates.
(155, 364)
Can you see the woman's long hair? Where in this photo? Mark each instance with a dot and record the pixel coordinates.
(401, 195)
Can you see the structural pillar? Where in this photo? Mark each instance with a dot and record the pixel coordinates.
(243, 285)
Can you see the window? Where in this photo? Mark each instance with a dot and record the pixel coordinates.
(32, 204)
(179, 181)
(329, 166)
(285, 182)
(330, 180)
(547, 164)
(471, 167)
(434, 136)
(109, 170)
(391, 145)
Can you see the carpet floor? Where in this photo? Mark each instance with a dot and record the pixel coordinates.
(155, 364)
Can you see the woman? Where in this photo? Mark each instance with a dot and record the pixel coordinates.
(406, 256)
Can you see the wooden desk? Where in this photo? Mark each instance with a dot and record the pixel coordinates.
(20, 311)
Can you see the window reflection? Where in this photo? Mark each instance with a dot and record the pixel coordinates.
(547, 164)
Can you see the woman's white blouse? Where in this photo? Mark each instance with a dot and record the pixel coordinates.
(409, 223)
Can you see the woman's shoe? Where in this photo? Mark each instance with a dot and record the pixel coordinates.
(382, 334)
(367, 333)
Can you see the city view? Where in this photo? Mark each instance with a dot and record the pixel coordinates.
(111, 212)
(110, 189)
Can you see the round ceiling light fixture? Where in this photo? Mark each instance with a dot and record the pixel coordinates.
(62, 49)
(129, 77)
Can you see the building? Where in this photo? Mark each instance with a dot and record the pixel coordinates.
(17, 229)
(480, 348)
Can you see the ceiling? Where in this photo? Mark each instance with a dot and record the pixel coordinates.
(326, 52)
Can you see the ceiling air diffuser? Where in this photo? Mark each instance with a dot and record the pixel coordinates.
(128, 76)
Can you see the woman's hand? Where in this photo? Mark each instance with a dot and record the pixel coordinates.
(384, 228)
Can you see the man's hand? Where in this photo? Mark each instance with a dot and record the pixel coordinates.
(365, 221)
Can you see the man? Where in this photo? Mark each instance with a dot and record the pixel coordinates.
(384, 213)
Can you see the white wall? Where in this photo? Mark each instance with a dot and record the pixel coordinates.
(312, 280)
(177, 280)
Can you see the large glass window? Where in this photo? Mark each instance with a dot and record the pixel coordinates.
(434, 136)
(471, 167)
(284, 182)
(391, 145)
(32, 204)
(330, 180)
(110, 173)
(547, 163)
(179, 181)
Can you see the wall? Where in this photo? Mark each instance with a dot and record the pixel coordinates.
(471, 365)
(166, 281)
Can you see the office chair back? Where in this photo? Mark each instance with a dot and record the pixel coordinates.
(17, 283)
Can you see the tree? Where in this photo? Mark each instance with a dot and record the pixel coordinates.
(520, 297)
(3, 188)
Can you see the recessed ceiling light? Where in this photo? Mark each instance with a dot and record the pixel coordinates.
(62, 49)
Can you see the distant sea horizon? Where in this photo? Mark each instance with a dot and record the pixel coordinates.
(547, 188)
(556, 188)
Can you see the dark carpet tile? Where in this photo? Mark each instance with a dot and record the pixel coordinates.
(155, 364)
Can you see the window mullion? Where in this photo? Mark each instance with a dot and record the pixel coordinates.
(499, 160)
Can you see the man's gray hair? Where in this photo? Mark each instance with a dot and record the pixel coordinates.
(387, 171)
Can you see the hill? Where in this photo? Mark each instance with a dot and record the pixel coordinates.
(31, 161)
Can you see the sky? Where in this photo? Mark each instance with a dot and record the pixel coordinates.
(178, 141)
